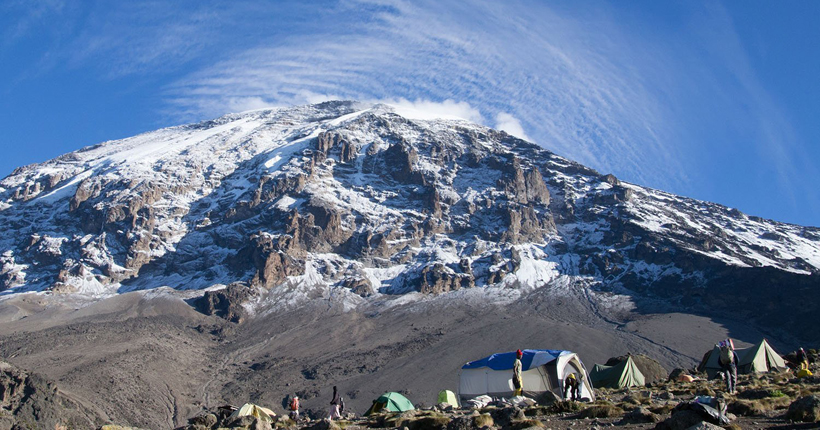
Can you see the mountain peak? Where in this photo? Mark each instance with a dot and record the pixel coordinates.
(368, 201)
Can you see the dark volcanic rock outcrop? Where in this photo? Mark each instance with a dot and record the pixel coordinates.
(31, 401)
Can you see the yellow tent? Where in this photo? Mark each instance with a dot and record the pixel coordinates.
(264, 414)
(449, 397)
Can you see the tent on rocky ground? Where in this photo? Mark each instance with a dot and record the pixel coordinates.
(622, 375)
(758, 358)
(392, 401)
(263, 414)
(542, 370)
(651, 369)
(447, 396)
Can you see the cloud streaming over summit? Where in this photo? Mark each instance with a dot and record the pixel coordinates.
(697, 99)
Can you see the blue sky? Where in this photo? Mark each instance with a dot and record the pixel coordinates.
(716, 101)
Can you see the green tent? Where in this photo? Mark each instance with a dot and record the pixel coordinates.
(758, 358)
(447, 396)
(392, 401)
(622, 375)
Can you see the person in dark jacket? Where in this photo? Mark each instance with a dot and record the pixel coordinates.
(336, 406)
(571, 387)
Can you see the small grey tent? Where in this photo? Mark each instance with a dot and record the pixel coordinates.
(622, 375)
(758, 358)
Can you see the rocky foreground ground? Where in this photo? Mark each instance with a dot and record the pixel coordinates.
(773, 400)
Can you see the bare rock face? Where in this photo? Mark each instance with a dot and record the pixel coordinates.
(537, 191)
(398, 160)
(438, 278)
(226, 303)
(272, 264)
(30, 398)
(524, 225)
(360, 286)
(252, 198)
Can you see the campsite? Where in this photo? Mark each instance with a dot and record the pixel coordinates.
(627, 393)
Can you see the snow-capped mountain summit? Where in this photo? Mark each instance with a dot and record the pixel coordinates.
(368, 201)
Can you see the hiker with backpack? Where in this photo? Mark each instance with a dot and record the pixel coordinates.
(728, 363)
(518, 383)
(294, 408)
(336, 405)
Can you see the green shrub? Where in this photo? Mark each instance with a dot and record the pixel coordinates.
(776, 393)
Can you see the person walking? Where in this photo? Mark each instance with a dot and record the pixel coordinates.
(518, 383)
(728, 363)
(294, 408)
(335, 406)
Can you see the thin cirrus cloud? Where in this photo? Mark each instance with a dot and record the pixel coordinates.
(538, 73)
(604, 84)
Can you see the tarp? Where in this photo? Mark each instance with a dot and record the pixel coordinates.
(758, 358)
(622, 375)
(447, 396)
(541, 370)
(257, 411)
(391, 401)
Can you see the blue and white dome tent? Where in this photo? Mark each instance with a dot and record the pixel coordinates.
(541, 370)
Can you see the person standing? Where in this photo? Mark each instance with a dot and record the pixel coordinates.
(728, 363)
(335, 404)
(518, 383)
(294, 408)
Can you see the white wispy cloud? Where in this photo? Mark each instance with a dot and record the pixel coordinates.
(510, 124)
(545, 70)
(594, 84)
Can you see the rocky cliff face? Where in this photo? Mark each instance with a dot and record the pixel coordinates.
(362, 201)
(29, 400)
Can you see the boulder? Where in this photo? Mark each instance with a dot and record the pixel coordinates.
(324, 424)
(805, 409)
(547, 398)
(681, 420)
(206, 420)
(243, 421)
(504, 416)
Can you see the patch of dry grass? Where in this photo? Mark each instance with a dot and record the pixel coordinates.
(565, 406)
(604, 410)
(524, 424)
(759, 406)
(662, 409)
